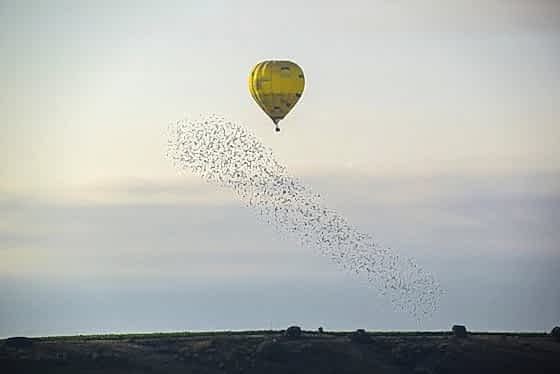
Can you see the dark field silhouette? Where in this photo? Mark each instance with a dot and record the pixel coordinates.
(278, 352)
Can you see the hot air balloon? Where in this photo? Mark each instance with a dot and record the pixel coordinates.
(276, 86)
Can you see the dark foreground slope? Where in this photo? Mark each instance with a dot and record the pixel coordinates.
(272, 352)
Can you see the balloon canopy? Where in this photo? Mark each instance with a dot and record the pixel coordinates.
(276, 86)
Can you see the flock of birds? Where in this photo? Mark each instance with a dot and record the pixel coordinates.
(225, 153)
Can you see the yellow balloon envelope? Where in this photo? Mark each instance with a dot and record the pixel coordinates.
(276, 86)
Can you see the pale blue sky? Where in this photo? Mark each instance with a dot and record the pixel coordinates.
(432, 125)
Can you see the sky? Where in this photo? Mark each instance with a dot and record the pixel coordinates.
(433, 125)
